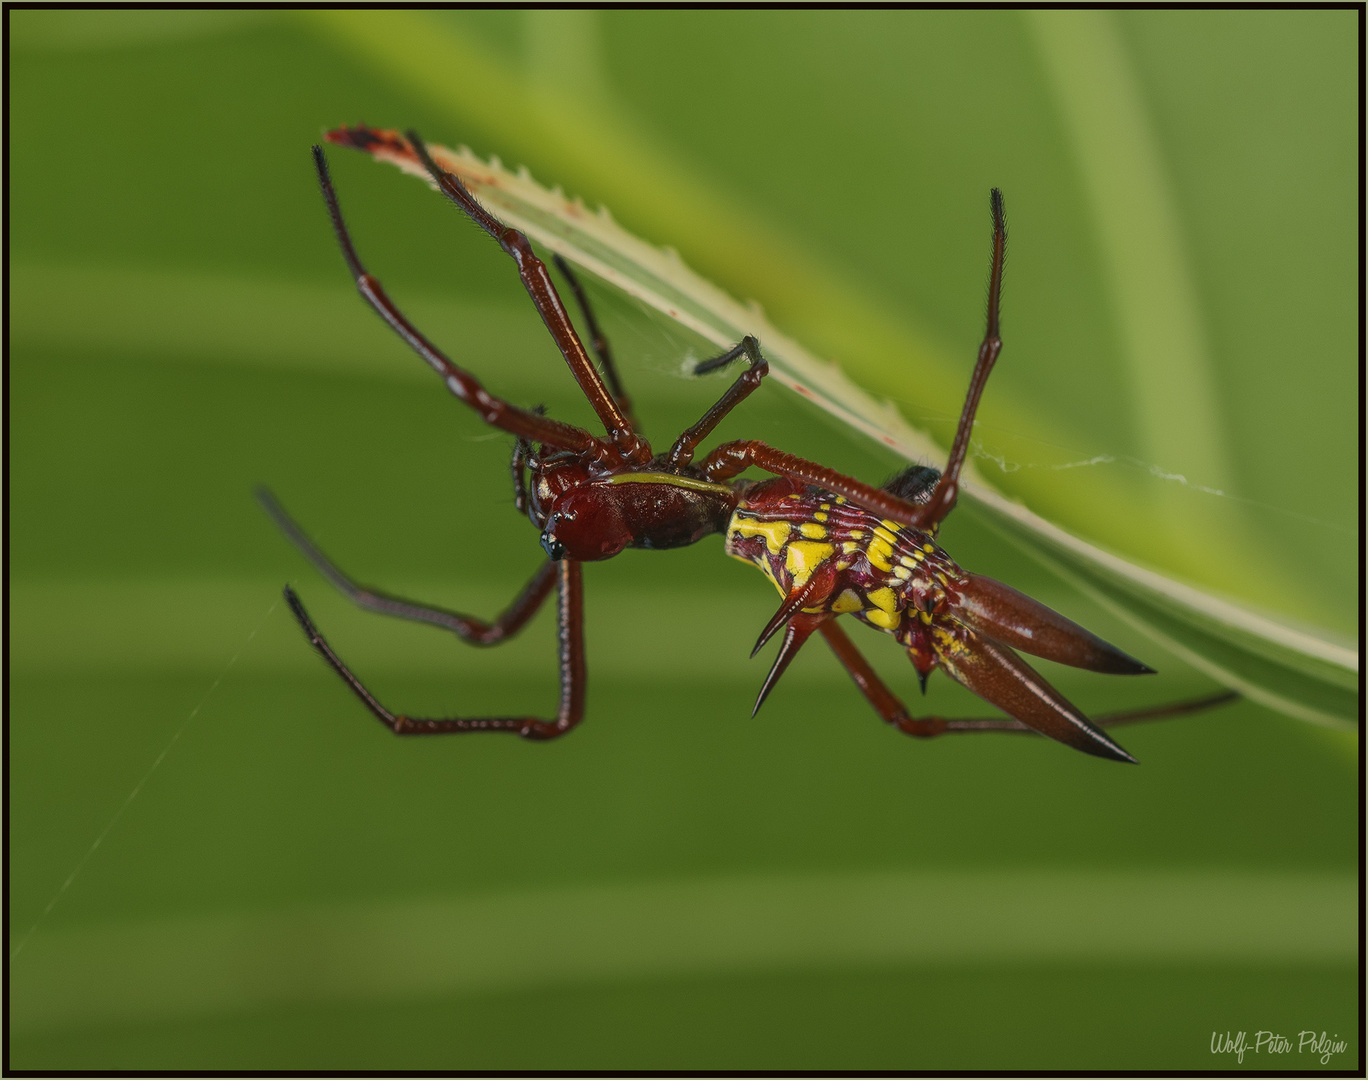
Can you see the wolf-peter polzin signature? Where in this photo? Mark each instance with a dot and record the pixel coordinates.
(1270, 1042)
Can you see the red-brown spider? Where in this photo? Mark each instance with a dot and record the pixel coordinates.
(831, 545)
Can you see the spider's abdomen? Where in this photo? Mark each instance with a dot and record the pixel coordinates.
(891, 576)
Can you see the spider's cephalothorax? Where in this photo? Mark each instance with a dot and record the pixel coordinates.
(832, 545)
(588, 518)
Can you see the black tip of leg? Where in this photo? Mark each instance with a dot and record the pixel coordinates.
(305, 623)
(321, 166)
(703, 367)
(266, 498)
(297, 606)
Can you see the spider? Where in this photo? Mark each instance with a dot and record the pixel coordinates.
(830, 544)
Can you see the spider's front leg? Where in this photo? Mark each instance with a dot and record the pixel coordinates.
(467, 627)
(599, 341)
(492, 410)
(629, 445)
(573, 674)
(681, 454)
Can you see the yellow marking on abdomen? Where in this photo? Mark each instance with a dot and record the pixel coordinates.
(802, 557)
(812, 530)
(847, 602)
(776, 533)
(948, 642)
(887, 619)
(880, 548)
(883, 598)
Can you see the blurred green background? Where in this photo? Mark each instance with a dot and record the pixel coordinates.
(676, 885)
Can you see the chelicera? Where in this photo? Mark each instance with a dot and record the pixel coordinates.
(830, 544)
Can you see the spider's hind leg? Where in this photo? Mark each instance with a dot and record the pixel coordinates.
(942, 499)
(893, 711)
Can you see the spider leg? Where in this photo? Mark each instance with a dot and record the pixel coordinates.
(747, 382)
(493, 411)
(730, 459)
(943, 499)
(893, 711)
(524, 457)
(522, 450)
(885, 702)
(537, 281)
(1164, 712)
(1110, 720)
(574, 676)
(599, 342)
(476, 631)
(470, 629)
